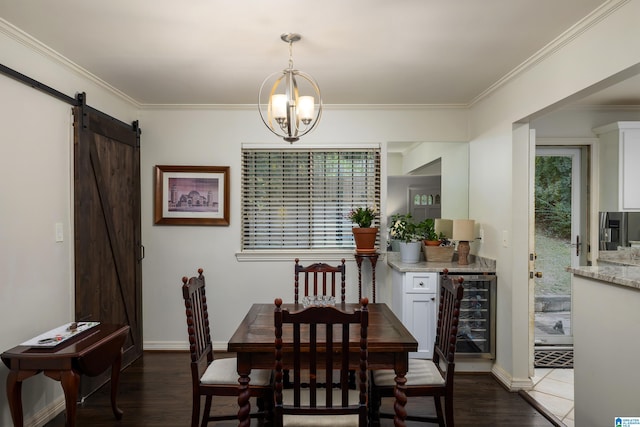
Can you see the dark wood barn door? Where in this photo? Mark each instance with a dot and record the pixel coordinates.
(108, 247)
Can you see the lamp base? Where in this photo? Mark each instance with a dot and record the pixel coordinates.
(463, 252)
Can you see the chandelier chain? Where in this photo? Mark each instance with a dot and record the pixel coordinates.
(291, 54)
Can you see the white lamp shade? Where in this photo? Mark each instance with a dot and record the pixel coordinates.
(444, 226)
(305, 107)
(463, 230)
(279, 106)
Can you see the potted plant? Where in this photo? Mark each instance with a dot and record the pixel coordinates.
(406, 231)
(364, 234)
(436, 246)
(428, 232)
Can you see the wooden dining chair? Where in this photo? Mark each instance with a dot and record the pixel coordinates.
(305, 343)
(215, 377)
(429, 377)
(320, 279)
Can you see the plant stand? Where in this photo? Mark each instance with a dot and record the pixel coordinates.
(373, 259)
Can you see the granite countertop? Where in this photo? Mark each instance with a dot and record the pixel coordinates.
(476, 265)
(620, 275)
(624, 256)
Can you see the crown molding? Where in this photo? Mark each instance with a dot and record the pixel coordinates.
(555, 45)
(558, 43)
(41, 49)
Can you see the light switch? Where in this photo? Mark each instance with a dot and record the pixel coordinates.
(59, 232)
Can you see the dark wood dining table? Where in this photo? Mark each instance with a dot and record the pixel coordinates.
(90, 353)
(389, 345)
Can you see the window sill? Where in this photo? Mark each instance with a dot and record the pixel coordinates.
(316, 255)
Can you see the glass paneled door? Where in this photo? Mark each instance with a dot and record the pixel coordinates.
(558, 241)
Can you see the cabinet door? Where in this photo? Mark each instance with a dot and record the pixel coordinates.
(420, 318)
(630, 173)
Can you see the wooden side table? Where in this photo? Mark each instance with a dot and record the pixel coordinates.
(373, 259)
(90, 353)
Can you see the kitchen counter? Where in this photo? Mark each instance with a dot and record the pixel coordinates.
(605, 319)
(476, 265)
(628, 276)
(626, 256)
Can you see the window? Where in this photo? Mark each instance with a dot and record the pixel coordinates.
(300, 198)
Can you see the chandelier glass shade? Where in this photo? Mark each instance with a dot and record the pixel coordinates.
(289, 101)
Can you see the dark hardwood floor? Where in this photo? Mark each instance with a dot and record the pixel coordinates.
(156, 391)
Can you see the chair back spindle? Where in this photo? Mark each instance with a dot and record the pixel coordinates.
(320, 279)
(210, 377)
(319, 342)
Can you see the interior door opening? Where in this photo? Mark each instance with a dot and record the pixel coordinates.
(559, 237)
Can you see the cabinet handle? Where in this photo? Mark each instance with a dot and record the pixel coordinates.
(421, 283)
(433, 298)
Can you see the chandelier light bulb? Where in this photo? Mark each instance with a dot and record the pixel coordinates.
(279, 106)
(305, 109)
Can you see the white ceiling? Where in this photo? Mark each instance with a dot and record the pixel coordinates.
(360, 51)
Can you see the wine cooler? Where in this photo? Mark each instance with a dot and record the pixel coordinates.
(477, 325)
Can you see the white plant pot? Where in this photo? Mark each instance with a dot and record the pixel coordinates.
(410, 252)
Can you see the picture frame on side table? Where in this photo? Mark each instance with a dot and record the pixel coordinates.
(191, 195)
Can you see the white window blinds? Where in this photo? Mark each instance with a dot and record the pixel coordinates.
(300, 198)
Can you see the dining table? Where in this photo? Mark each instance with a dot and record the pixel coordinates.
(388, 343)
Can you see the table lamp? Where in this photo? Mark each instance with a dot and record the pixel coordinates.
(463, 232)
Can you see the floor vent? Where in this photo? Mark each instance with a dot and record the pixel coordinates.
(552, 358)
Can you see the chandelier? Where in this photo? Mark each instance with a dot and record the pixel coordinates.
(290, 109)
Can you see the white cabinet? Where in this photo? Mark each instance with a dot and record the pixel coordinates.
(619, 166)
(415, 302)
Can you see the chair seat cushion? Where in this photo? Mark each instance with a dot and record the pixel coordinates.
(320, 420)
(224, 371)
(421, 372)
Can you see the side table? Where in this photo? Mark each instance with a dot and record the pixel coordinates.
(373, 259)
(90, 353)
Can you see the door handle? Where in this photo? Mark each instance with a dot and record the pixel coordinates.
(578, 245)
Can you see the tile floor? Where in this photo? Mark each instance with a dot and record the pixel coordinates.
(553, 389)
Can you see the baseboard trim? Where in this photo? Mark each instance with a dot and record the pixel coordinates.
(46, 414)
(510, 383)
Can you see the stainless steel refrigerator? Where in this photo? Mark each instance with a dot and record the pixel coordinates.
(618, 229)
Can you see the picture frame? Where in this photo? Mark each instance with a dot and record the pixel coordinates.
(191, 195)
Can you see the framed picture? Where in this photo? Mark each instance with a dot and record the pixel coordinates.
(192, 195)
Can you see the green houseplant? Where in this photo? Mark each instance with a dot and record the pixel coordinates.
(428, 232)
(403, 228)
(362, 216)
(435, 246)
(364, 234)
(406, 231)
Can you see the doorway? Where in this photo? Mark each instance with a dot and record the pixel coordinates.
(560, 234)
(558, 237)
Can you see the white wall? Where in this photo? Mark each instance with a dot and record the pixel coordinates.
(606, 47)
(455, 173)
(36, 187)
(213, 136)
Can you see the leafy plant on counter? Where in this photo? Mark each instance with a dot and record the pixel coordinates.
(404, 228)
